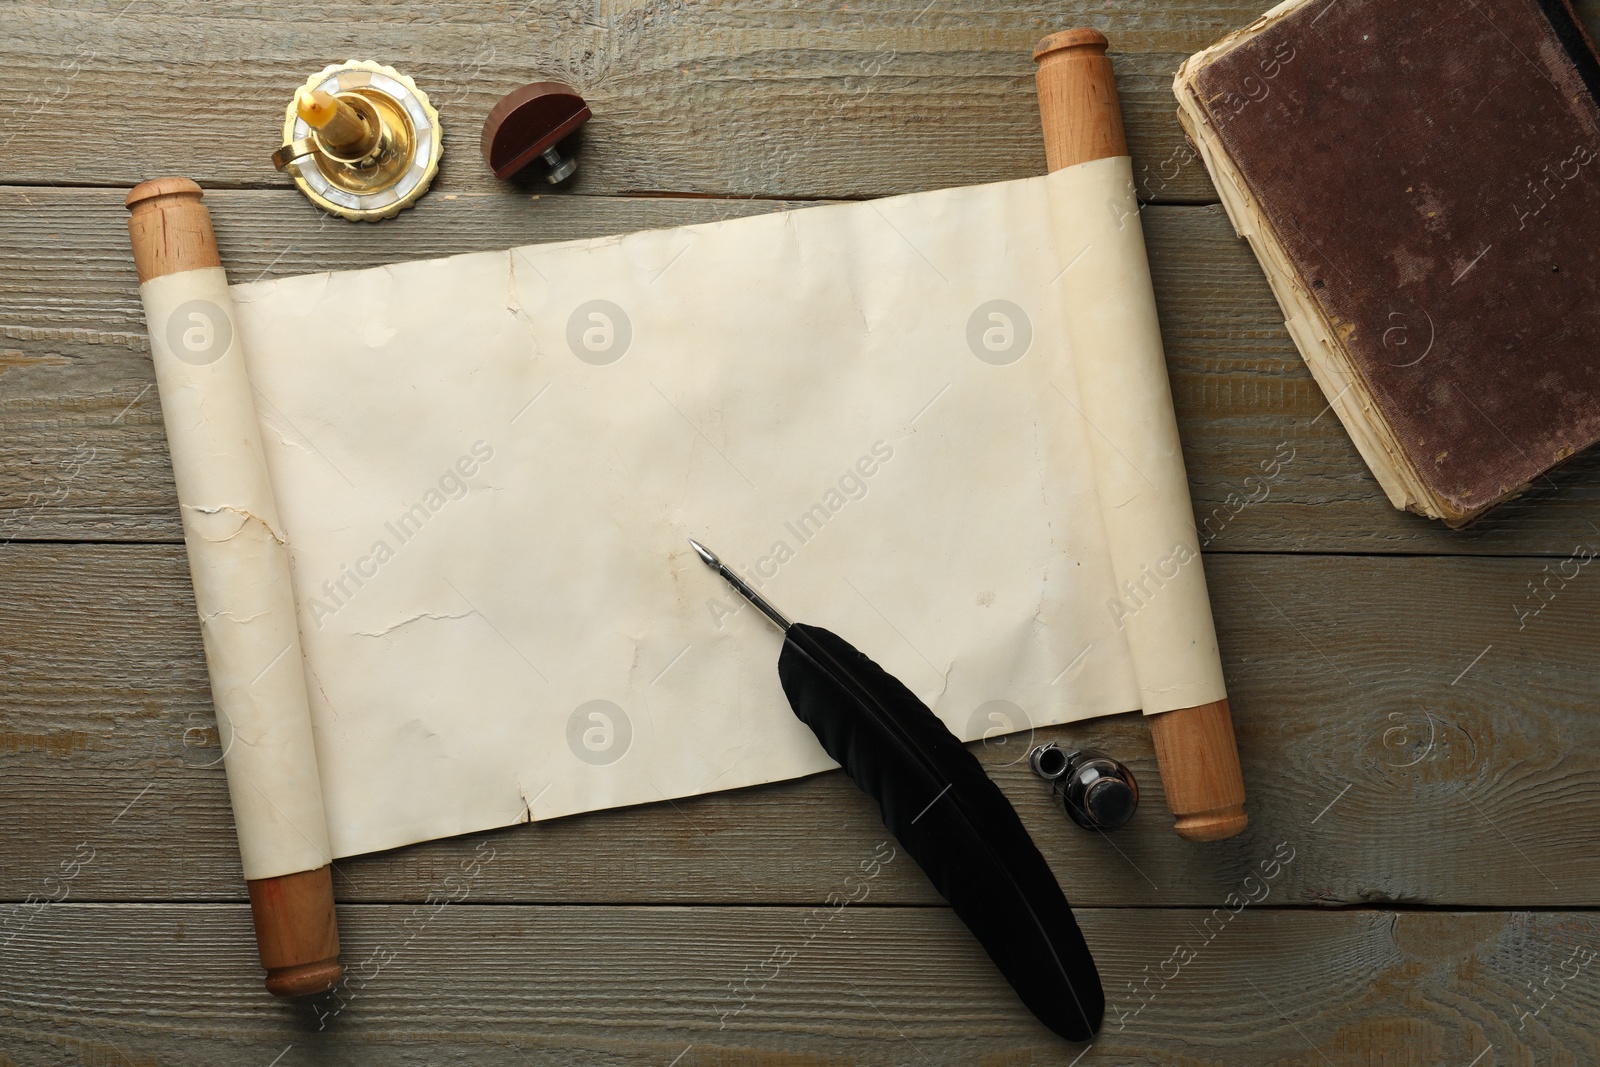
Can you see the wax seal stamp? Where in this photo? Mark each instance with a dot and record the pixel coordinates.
(361, 141)
(527, 124)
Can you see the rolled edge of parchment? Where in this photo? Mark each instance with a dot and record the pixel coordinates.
(240, 568)
(1169, 625)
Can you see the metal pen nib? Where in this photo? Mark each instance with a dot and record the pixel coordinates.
(739, 584)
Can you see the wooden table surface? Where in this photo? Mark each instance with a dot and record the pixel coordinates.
(1422, 755)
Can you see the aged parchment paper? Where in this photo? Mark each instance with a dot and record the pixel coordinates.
(1143, 490)
(487, 467)
(240, 568)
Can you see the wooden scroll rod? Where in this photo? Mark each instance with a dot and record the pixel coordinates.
(296, 931)
(1195, 747)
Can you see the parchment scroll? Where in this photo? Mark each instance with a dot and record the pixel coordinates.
(914, 421)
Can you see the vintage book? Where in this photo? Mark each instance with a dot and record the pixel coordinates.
(1420, 181)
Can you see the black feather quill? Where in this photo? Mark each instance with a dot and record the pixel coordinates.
(947, 813)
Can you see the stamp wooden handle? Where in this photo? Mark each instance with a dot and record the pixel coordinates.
(1195, 747)
(294, 918)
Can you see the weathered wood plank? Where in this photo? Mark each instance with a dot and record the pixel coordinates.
(744, 99)
(751, 98)
(1400, 733)
(75, 375)
(147, 984)
(1375, 738)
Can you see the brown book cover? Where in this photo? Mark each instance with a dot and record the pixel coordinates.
(1421, 181)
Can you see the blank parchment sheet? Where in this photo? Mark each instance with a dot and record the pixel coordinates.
(488, 467)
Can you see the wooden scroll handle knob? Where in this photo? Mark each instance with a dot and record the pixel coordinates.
(1195, 747)
(296, 932)
(1078, 99)
(295, 928)
(1199, 761)
(170, 228)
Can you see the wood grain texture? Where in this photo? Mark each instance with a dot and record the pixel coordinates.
(1400, 733)
(1079, 111)
(746, 98)
(694, 987)
(297, 932)
(1200, 773)
(1414, 790)
(75, 378)
(168, 228)
(805, 99)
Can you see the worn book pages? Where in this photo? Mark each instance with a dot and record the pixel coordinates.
(487, 468)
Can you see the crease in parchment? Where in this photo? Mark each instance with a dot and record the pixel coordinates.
(409, 620)
(245, 516)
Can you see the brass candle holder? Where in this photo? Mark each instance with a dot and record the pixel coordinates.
(361, 141)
